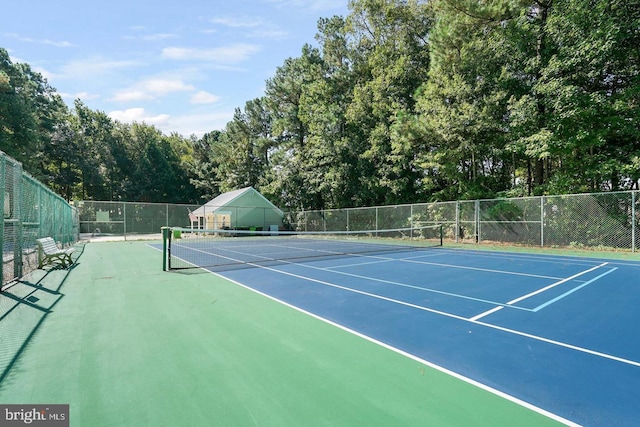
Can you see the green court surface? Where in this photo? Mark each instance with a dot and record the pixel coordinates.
(126, 344)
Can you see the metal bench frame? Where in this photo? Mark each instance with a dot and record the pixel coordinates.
(49, 253)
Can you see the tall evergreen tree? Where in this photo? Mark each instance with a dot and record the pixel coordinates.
(30, 110)
(391, 60)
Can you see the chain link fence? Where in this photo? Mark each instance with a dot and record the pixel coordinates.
(137, 220)
(31, 211)
(103, 219)
(606, 221)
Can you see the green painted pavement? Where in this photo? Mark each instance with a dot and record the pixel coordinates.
(126, 344)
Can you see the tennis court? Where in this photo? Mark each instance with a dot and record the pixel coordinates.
(405, 336)
(555, 332)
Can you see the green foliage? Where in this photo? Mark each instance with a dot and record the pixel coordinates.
(29, 112)
(401, 101)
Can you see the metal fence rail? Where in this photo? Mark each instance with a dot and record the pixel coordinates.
(132, 219)
(30, 211)
(607, 221)
(100, 218)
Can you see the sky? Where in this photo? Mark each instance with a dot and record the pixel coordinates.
(182, 66)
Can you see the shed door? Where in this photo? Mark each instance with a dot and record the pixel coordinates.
(219, 220)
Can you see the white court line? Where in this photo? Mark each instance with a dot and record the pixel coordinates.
(577, 288)
(450, 315)
(539, 291)
(551, 258)
(405, 285)
(430, 364)
(373, 279)
(486, 313)
(414, 260)
(387, 259)
(553, 285)
(380, 260)
(425, 362)
(486, 270)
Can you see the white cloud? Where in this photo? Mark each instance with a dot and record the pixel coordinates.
(92, 67)
(269, 33)
(44, 72)
(189, 124)
(203, 97)
(152, 37)
(131, 95)
(164, 86)
(41, 41)
(139, 115)
(311, 5)
(150, 89)
(229, 54)
(252, 27)
(84, 96)
(197, 123)
(56, 43)
(160, 36)
(238, 22)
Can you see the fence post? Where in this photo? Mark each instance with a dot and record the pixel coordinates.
(542, 221)
(17, 209)
(633, 221)
(411, 217)
(477, 215)
(3, 161)
(124, 220)
(457, 231)
(40, 212)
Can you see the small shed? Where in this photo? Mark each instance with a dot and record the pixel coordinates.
(241, 209)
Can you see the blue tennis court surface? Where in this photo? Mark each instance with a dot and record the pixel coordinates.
(558, 333)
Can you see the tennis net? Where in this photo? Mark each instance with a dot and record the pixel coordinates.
(193, 248)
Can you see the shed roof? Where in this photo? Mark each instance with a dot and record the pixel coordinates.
(227, 199)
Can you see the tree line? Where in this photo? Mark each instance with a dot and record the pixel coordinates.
(400, 101)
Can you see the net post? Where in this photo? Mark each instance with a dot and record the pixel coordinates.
(166, 235)
(441, 234)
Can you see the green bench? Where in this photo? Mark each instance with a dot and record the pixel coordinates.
(49, 253)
